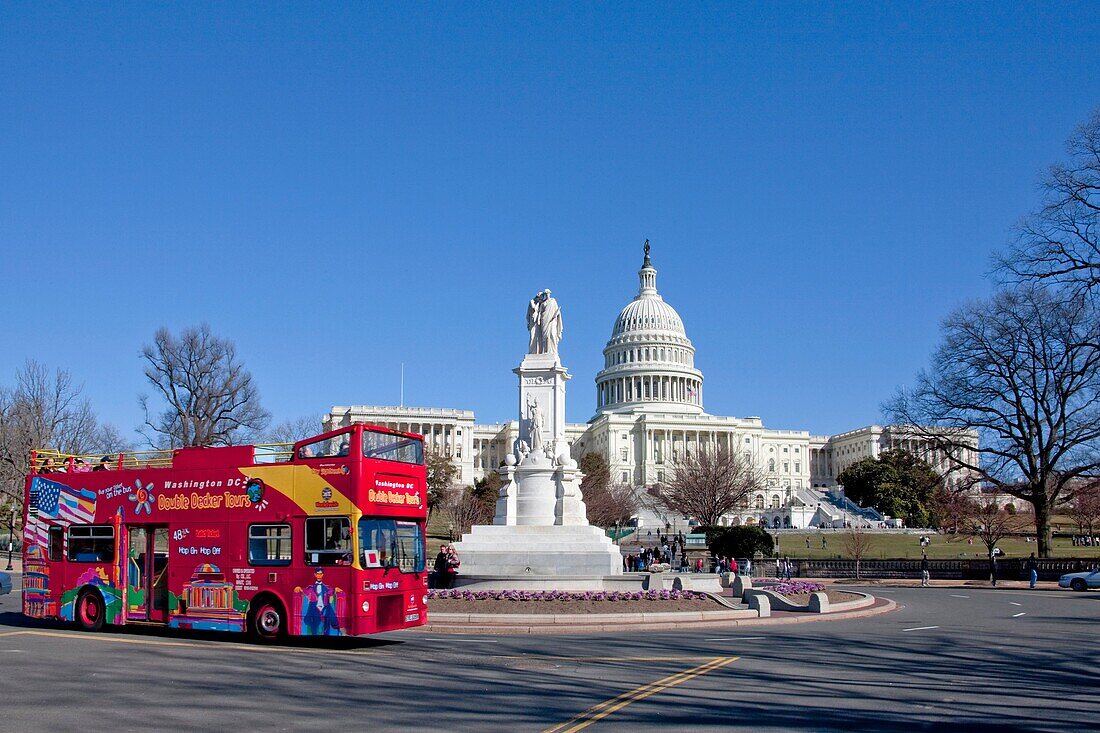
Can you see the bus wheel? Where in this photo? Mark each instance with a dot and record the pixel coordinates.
(90, 611)
(268, 621)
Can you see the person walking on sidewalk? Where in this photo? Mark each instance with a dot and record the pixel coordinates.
(993, 567)
(924, 570)
(1032, 570)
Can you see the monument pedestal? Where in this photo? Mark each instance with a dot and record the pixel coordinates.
(532, 550)
(540, 527)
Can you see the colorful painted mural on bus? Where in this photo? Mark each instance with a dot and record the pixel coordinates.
(319, 607)
(208, 601)
(97, 579)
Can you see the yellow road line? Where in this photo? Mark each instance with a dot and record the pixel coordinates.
(603, 709)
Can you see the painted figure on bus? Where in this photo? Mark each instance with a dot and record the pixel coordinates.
(319, 603)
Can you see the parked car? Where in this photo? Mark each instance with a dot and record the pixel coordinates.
(1081, 581)
(5, 583)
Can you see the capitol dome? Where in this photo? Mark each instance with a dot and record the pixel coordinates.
(649, 363)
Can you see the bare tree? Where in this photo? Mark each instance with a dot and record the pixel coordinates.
(209, 395)
(947, 509)
(856, 544)
(441, 478)
(291, 431)
(1060, 242)
(465, 508)
(608, 505)
(991, 524)
(1084, 506)
(46, 410)
(612, 505)
(1023, 369)
(708, 483)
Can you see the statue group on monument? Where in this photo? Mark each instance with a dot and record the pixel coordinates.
(543, 324)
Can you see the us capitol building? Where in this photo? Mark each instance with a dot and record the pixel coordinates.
(649, 410)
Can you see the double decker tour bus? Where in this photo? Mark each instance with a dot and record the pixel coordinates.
(324, 537)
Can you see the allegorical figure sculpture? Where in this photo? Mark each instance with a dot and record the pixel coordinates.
(544, 324)
(535, 420)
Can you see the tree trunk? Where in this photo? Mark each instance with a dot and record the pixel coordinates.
(1042, 523)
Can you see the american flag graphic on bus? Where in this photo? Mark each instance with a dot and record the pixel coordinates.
(57, 502)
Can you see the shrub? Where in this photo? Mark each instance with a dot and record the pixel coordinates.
(741, 542)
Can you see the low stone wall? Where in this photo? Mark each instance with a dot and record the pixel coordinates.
(819, 602)
(977, 569)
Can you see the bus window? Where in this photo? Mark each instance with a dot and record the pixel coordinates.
(269, 544)
(328, 541)
(391, 544)
(56, 542)
(92, 543)
(337, 446)
(392, 447)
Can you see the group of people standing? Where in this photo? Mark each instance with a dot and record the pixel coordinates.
(446, 567)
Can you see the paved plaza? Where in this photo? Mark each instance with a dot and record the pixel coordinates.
(960, 658)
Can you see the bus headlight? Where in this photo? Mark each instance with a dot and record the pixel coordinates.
(366, 606)
(424, 600)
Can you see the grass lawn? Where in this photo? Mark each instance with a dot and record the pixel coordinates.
(895, 546)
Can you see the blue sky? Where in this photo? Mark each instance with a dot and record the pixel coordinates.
(343, 188)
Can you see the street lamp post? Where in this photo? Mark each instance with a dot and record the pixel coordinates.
(11, 538)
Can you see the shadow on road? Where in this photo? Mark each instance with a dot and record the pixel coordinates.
(19, 621)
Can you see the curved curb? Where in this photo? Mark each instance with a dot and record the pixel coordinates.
(499, 624)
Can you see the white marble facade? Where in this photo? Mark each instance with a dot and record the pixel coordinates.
(648, 410)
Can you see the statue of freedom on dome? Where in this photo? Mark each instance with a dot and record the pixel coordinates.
(543, 324)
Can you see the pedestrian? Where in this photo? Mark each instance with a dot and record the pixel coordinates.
(733, 566)
(452, 566)
(807, 543)
(924, 570)
(787, 568)
(824, 544)
(993, 567)
(1032, 570)
(748, 566)
(439, 568)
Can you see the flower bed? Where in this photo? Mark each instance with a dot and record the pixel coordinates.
(558, 601)
(799, 591)
(789, 587)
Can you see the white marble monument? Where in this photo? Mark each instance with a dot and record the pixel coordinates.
(540, 527)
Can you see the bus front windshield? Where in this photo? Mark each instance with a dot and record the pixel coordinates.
(389, 543)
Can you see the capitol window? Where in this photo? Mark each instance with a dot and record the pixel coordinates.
(775, 502)
(625, 454)
(759, 503)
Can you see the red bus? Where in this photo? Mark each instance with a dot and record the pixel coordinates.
(321, 538)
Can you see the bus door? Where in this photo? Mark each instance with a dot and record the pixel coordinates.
(147, 574)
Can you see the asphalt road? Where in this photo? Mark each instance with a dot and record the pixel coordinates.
(964, 659)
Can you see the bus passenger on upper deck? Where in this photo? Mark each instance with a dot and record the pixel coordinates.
(104, 464)
(343, 449)
(48, 466)
(79, 466)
